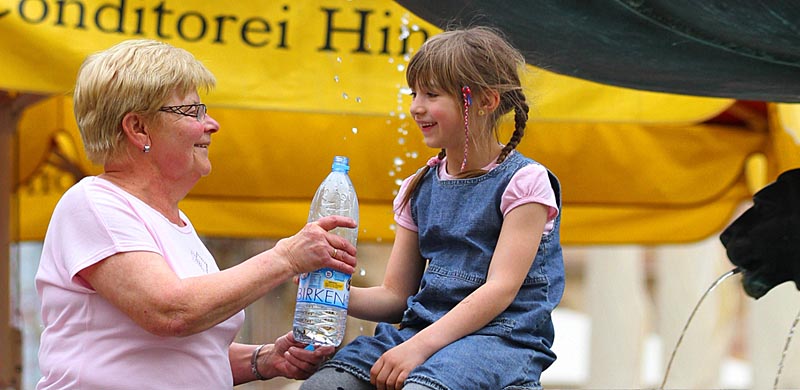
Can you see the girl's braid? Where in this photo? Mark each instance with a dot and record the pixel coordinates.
(520, 120)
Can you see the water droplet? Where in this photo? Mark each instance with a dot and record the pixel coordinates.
(404, 32)
(391, 173)
(398, 161)
(339, 59)
(358, 99)
(414, 154)
(415, 27)
(391, 60)
(401, 68)
(336, 78)
(345, 96)
(398, 182)
(355, 130)
(402, 116)
(401, 141)
(363, 272)
(405, 91)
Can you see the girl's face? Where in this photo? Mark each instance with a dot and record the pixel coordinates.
(440, 117)
(181, 143)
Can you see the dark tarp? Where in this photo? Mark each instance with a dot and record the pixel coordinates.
(747, 50)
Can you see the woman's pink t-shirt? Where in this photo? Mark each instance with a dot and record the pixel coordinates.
(87, 343)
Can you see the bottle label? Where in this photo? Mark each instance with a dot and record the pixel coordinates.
(325, 286)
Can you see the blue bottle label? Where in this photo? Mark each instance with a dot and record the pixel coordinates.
(326, 287)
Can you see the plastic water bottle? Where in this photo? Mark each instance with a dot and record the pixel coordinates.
(320, 313)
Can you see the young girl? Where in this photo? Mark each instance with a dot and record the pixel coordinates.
(476, 268)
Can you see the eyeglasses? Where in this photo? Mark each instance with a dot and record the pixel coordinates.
(196, 111)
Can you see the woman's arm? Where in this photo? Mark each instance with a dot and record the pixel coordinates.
(515, 252)
(387, 302)
(142, 285)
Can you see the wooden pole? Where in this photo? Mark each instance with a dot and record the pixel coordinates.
(11, 107)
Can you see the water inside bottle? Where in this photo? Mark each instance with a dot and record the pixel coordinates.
(321, 308)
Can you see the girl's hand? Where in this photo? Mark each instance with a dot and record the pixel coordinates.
(392, 369)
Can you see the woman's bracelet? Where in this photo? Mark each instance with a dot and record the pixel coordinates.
(254, 363)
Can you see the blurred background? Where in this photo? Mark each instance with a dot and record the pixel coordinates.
(659, 138)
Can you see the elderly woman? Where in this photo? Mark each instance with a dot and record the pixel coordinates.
(131, 298)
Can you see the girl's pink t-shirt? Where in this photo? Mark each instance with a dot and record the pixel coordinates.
(531, 184)
(87, 343)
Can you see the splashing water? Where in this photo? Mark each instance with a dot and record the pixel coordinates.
(405, 32)
(785, 349)
(685, 327)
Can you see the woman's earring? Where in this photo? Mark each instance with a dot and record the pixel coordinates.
(146, 149)
(481, 112)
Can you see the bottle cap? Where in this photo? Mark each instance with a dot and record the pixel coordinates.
(341, 163)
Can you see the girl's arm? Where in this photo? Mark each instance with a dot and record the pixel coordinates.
(516, 249)
(387, 302)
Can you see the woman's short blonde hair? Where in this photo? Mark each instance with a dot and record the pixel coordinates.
(132, 76)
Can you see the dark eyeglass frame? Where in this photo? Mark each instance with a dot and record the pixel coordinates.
(185, 110)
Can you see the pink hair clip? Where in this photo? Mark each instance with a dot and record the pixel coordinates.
(433, 161)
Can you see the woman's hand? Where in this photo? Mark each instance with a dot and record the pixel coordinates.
(315, 247)
(289, 359)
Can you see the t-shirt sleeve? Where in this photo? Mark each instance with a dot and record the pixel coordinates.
(402, 213)
(95, 223)
(531, 184)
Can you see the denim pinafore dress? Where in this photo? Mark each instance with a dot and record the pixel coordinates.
(459, 224)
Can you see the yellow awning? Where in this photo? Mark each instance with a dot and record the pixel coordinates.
(622, 182)
(301, 82)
